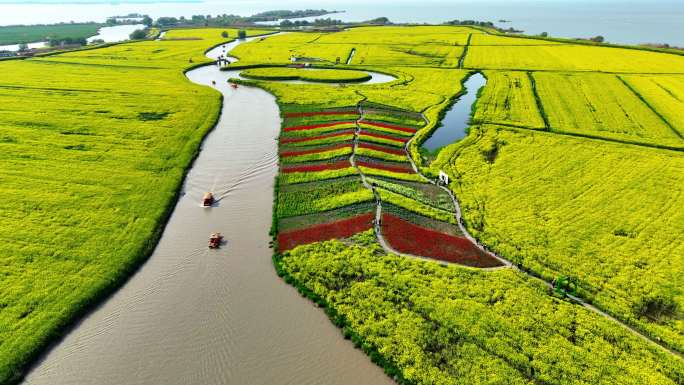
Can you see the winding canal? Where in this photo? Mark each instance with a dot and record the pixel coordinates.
(195, 316)
(457, 118)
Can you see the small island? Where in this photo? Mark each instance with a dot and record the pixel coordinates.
(312, 75)
(287, 14)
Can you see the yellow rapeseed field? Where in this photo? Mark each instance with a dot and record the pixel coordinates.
(601, 105)
(568, 57)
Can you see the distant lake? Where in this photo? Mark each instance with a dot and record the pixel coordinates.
(619, 22)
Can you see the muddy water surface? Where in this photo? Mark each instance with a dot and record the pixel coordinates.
(195, 316)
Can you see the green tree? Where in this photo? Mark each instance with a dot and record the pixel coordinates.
(656, 305)
(138, 34)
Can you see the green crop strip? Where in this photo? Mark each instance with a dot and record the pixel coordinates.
(318, 156)
(380, 154)
(298, 201)
(411, 177)
(15, 34)
(415, 206)
(438, 199)
(301, 177)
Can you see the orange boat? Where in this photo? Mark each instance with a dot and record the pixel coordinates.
(208, 199)
(215, 240)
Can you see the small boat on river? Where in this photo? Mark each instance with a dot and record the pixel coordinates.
(215, 240)
(208, 200)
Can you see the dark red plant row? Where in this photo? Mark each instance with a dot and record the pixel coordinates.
(383, 136)
(317, 167)
(377, 147)
(311, 138)
(315, 113)
(312, 126)
(383, 166)
(339, 229)
(286, 154)
(391, 126)
(406, 237)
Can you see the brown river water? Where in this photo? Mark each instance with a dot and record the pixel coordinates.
(196, 316)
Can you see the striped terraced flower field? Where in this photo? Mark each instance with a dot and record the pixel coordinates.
(324, 185)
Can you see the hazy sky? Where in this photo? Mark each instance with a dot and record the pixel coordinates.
(313, 3)
(632, 21)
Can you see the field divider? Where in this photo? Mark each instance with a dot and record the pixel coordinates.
(515, 127)
(351, 56)
(461, 60)
(537, 98)
(650, 106)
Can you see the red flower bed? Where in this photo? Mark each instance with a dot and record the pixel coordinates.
(383, 136)
(296, 140)
(317, 167)
(314, 113)
(382, 166)
(313, 126)
(315, 150)
(393, 151)
(408, 238)
(340, 229)
(391, 126)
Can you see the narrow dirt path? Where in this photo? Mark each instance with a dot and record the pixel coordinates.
(538, 101)
(351, 56)
(461, 60)
(378, 202)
